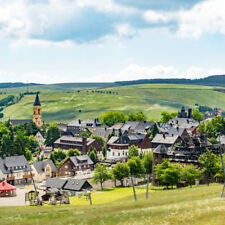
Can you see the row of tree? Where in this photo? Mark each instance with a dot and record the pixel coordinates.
(166, 173)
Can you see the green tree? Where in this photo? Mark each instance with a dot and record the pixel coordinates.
(101, 174)
(133, 151)
(136, 170)
(92, 153)
(167, 173)
(100, 139)
(166, 116)
(147, 161)
(136, 116)
(210, 164)
(201, 130)
(190, 173)
(104, 151)
(213, 140)
(154, 131)
(52, 135)
(73, 152)
(196, 115)
(28, 154)
(121, 171)
(111, 118)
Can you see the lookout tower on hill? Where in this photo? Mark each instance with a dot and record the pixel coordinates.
(37, 112)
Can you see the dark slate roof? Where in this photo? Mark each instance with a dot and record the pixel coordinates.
(55, 183)
(37, 101)
(13, 164)
(127, 138)
(67, 184)
(138, 125)
(90, 123)
(81, 160)
(165, 139)
(40, 165)
(184, 122)
(102, 132)
(76, 184)
(19, 122)
(161, 149)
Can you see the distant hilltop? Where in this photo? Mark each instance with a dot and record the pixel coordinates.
(216, 80)
(16, 84)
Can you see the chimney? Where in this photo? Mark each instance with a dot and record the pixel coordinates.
(84, 145)
(164, 136)
(189, 113)
(177, 128)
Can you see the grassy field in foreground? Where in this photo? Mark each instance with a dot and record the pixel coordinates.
(197, 205)
(152, 99)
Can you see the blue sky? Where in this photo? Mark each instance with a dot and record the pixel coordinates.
(52, 41)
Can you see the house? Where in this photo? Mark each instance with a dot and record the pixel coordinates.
(71, 185)
(118, 146)
(84, 124)
(74, 165)
(15, 170)
(182, 154)
(43, 170)
(40, 139)
(19, 122)
(102, 132)
(165, 139)
(168, 129)
(82, 144)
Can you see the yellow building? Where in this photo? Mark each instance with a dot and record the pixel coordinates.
(37, 112)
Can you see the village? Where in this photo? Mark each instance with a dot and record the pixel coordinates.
(80, 157)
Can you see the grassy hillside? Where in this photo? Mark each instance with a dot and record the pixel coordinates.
(61, 87)
(149, 98)
(197, 205)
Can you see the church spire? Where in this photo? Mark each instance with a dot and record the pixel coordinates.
(37, 101)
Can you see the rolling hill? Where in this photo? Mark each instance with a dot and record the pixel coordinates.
(152, 99)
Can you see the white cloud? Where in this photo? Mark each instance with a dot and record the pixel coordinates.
(204, 17)
(135, 72)
(131, 72)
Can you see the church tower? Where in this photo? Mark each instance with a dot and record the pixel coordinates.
(37, 112)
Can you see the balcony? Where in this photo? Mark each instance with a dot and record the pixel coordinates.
(27, 176)
(10, 178)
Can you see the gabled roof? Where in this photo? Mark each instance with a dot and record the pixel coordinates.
(19, 122)
(102, 132)
(8, 164)
(127, 138)
(81, 160)
(40, 166)
(76, 184)
(161, 149)
(67, 184)
(165, 139)
(55, 183)
(138, 125)
(37, 101)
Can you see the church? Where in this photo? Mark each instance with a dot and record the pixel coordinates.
(37, 114)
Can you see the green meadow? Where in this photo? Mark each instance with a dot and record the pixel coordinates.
(152, 99)
(197, 205)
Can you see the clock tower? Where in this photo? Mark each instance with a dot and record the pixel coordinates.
(37, 112)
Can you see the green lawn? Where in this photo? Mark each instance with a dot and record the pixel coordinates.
(152, 99)
(197, 205)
